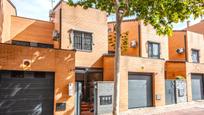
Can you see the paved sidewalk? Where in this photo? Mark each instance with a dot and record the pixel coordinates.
(188, 108)
(189, 111)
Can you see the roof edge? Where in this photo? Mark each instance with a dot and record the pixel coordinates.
(9, 1)
(126, 20)
(31, 19)
(179, 30)
(58, 4)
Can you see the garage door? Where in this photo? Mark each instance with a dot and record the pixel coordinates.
(197, 87)
(26, 93)
(139, 91)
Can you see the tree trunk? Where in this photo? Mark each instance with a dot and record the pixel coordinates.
(117, 62)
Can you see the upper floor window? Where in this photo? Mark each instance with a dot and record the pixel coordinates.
(33, 44)
(153, 50)
(82, 41)
(195, 56)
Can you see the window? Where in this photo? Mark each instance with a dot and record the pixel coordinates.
(32, 44)
(41, 45)
(82, 41)
(20, 43)
(153, 50)
(195, 56)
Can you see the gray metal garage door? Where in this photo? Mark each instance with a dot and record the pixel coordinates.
(170, 95)
(26, 93)
(139, 91)
(197, 87)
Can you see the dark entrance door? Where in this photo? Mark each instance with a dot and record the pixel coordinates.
(26, 93)
(170, 92)
(87, 77)
(197, 86)
(139, 90)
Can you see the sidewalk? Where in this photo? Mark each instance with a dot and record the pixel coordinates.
(197, 107)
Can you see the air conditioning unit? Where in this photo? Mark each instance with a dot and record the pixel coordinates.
(51, 13)
(133, 44)
(180, 50)
(55, 35)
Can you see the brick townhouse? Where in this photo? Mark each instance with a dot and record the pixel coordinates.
(186, 59)
(142, 66)
(41, 61)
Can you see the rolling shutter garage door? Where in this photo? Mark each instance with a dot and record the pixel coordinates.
(197, 87)
(26, 93)
(139, 91)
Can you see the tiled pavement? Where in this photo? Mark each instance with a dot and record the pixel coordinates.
(188, 108)
(189, 111)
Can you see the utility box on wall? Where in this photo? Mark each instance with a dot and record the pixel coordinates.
(103, 97)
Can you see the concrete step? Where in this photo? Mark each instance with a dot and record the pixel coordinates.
(84, 109)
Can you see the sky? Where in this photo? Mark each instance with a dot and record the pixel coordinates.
(39, 9)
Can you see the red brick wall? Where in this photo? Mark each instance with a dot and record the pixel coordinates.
(174, 69)
(132, 28)
(137, 65)
(176, 41)
(77, 18)
(62, 62)
(24, 29)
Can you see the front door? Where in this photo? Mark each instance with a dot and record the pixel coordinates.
(87, 77)
(170, 92)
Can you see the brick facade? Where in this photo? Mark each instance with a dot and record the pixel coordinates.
(76, 18)
(137, 65)
(7, 10)
(61, 62)
(182, 64)
(31, 30)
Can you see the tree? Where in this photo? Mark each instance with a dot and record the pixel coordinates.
(159, 13)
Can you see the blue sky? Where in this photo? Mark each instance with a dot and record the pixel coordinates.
(39, 9)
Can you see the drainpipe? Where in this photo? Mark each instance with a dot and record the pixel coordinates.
(139, 39)
(60, 18)
(186, 47)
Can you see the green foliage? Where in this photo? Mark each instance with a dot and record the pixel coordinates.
(159, 13)
(180, 77)
(124, 41)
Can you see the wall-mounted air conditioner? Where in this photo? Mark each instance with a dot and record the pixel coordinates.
(180, 50)
(133, 44)
(55, 35)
